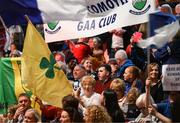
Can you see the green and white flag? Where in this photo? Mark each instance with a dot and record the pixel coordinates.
(10, 82)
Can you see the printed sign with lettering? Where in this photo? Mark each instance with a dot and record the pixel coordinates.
(171, 77)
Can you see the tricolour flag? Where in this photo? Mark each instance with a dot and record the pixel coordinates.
(10, 82)
(40, 72)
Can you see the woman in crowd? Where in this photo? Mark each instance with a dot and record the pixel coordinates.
(156, 89)
(132, 78)
(97, 49)
(88, 97)
(72, 102)
(87, 63)
(118, 86)
(110, 102)
(97, 52)
(31, 116)
(70, 115)
(168, 109)
(132, 110)
(96, 114)
(89, 66)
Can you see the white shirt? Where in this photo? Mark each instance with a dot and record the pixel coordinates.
(93, 100)
(117, 40)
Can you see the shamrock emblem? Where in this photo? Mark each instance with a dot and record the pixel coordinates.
(49, 65)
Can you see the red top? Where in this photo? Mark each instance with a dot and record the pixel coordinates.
(100, 87)
(49, 112)
(129, 50)
(80, 50)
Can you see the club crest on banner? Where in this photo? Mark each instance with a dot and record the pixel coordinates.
(53, 27)
(139, 7)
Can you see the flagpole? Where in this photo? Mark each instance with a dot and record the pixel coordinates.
(7, 33)
(34, 90)
(27, 18)
(3, 23)
(148, 62)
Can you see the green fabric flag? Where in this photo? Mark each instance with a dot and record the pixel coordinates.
(10, 82)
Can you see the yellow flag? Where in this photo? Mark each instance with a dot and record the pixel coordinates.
(40, 72)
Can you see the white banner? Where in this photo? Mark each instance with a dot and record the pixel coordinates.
(103, 16)
(171, 77)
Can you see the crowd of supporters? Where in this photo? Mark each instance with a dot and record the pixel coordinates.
(112, 82)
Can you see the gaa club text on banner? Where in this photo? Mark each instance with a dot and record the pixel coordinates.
(103, 16)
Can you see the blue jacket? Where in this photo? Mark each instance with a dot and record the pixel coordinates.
(122, 68)
(169, 53)
(139, 86)
(165, 109)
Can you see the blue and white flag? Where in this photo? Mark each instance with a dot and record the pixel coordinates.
(163, 27)
(159, 19)
(163, 35)
(41, 11)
